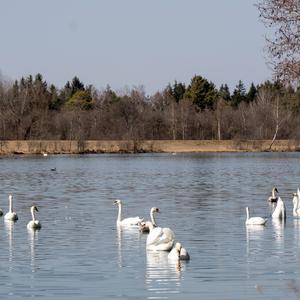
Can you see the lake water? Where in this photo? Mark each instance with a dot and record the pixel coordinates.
(80, 254)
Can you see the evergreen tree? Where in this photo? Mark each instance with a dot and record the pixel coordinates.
(239, 94)
(202, 92)
(252, 93)
(178, 90)
(224, 92)
(76, 85)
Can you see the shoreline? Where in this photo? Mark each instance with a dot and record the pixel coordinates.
(10, 147)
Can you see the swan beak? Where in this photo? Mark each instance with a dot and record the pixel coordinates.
(36, 209)
(276, 190)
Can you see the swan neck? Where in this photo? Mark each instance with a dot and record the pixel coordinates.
(273, 193)
(32, 214)
(152, 218)
(119, 212)
(247, 213)
(10, 204)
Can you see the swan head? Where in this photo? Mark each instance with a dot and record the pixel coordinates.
(155, 209)
(178, 246)
(117, 201)
(34, 208)
(275, 189)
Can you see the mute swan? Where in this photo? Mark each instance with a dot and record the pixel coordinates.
(179, 253)
(34, 224)
(296, 208)
(254, 220)
(280, 211)
(273, 198)
(144, 226)
(128, 221)
(161, 239)
(11, 215)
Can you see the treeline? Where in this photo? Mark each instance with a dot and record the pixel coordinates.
(31, 108)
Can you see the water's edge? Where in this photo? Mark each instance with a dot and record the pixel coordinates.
(136, 146)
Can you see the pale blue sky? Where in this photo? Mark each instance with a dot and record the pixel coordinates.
(133, 42)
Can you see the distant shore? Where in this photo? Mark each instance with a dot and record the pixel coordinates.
(146, 146)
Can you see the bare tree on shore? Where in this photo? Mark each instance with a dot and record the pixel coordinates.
(283, 17)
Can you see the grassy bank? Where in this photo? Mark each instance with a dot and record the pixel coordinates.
(75, 147)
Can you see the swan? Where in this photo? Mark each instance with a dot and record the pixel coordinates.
(34, 223)
(254, 220)
(144, 226)
(11, 215)
(280, 211)
(296, 208)
(273, 198)
(128, 221)
(160, 239)
(178, 253)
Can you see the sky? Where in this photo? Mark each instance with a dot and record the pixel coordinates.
(129, 43)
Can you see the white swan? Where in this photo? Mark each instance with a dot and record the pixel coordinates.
(128, 221)
(160, 239)
(280, 211)
(296, 203)
(254, 220)
(273, 198)
(34, 223)
(178, 253)
(144, 226)
(11, 215)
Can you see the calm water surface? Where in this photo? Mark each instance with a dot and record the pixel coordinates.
(80, 254)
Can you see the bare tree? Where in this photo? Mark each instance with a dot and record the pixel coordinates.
(283, 16)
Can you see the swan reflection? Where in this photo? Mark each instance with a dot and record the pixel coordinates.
(9, 230)
(296, 223)
(163, 276)
(278, 226)
(128, 237)
(32, 238)
(254, 234)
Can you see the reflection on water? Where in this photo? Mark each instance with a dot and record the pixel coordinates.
(80, 254)
(278, 226)
(9, 225)
(33, 236)
(163, 276)
(128, 239)
(296, 223)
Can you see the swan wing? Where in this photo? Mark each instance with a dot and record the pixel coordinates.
(168, 236)
(131, 221)
(154, 236)
(256, 221)
(173, 254)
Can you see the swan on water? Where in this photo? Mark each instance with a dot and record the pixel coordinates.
(11, 215)
(254, 220)
(273, 198)
(296, 204)
(144, 226)
(160, 239)
(128, 221)
(280, 211)
(179, 253)
(34, 223)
